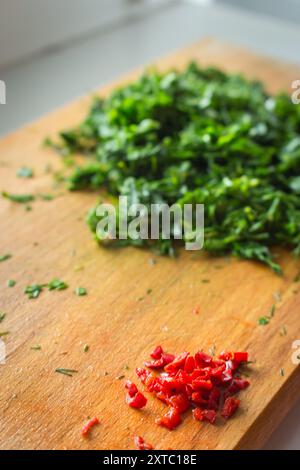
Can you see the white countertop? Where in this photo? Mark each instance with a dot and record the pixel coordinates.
(49, 80)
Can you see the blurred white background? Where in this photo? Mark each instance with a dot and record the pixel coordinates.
(52, 51)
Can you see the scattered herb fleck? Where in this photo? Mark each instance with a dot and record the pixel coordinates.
(36, 347)
(20, 198)
(272, 310)
(2, 316)
(86, 348)
(80, 291)
(297, 277)
(34, 290)
(264, 321)
(5, 257)
(205, 281)
(68, 372)
(11, 283)
(4, 333)
(283, 331)
(57, 284)
(282, 372)
(25, 172)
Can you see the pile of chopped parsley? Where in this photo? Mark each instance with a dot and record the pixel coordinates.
(198, 136)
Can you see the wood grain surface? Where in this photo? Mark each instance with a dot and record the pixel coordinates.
(121, 323)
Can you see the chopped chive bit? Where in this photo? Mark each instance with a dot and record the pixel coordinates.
(25, 172)
(4, 333)
(80, 291)
(2, 316)
(34, 290)
(11, 283)
(57, 284)
(20, 198)
(283, 331)
(68, 372)
(272, 310)
(282, 371)
(5, 257)
(86, 348)
(264, 321)
(36, 347)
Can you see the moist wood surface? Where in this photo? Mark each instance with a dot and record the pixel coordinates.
(40, 409)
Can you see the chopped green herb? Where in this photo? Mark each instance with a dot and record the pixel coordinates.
(34, 290)
(5, 257)
(11, 283)
(297, 277)
(2, 316)
(264, 321)
(68, 372)
(149, 291)
(272, 310)
(57, 284)
(36, 347)
(198, 136)
(86, 348)
(282, 372)
(120, 377)
(4, 333)
(205, 281)
(80, 291)
(283, 331)
(20, 198)
(25, 172)
(46, 197)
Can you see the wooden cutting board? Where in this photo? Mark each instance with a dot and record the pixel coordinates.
(120, 322)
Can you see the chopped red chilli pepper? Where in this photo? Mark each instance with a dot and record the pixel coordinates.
(88, 426)
(131, 387)
(205, 415)
(157, 352)
(240, 357)
(230, 406)
(140, 444)
(137, 401)
(200, 382)
(170, 420)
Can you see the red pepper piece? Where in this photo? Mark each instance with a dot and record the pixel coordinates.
(180, 402)
(230, 406)
(170, 420)
(88, 426)
(198, 399)
(131, 387)
(200, 384)
(214, 399)
(190, 364)
(137, 401)
(240, 357)
(226, 356)
(217, 371)
(140, 444)
(177, 363)
(202, 359)
(161, 362)
(237, 385)
(205, 415)
(142, 374)
(157, 352)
